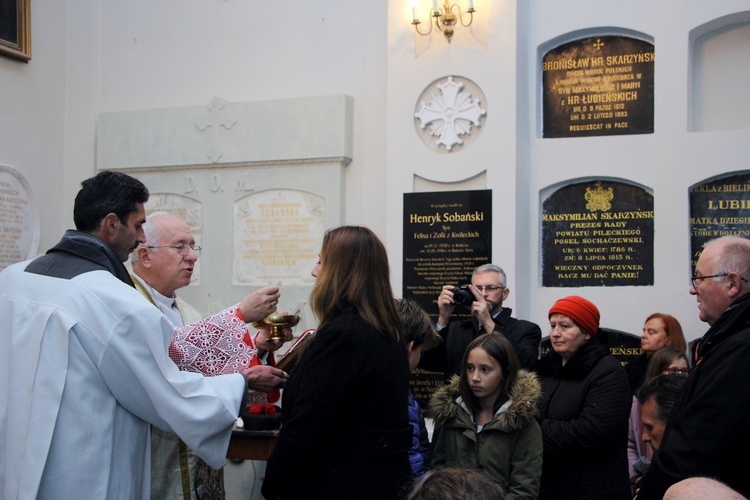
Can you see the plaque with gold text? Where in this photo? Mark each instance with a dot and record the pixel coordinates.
(598, 233)
(719, 207)
(277, 237)
(601, 85)
(446, 236)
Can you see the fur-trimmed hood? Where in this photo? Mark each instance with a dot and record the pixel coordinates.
(525, 394)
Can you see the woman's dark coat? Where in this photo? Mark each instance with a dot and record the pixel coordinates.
(345, 428)
(584, 418)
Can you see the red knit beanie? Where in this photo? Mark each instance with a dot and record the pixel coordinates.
(580, 310)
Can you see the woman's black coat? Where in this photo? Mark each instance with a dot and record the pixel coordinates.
(345, 427)
(584, 412)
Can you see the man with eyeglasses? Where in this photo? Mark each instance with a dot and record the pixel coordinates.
(85, 368)
(215, 345)
(708, 430)
(489, 287)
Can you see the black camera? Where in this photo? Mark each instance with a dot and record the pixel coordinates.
(462, 295)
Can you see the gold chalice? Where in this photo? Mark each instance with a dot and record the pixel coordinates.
(275, 323)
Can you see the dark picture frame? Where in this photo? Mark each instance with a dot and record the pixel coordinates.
(15, 29)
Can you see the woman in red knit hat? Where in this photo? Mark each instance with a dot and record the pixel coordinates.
(584, 409)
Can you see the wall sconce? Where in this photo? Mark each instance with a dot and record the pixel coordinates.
(444, 17)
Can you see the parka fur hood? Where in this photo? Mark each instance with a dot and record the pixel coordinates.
(525, 395)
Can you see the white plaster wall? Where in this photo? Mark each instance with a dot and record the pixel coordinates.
(92, 56)
(493, 68)
(184, 52)
(668, 161)
(32, 114)
(520, 164)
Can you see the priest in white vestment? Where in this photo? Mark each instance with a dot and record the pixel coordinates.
(217, 345)
(85, 368)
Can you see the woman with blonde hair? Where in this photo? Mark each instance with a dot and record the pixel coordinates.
(345, 428)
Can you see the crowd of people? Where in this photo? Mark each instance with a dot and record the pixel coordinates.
(114, 387)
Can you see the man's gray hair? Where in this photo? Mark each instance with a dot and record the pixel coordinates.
(492, 268)
(152, 234)
(734, 256)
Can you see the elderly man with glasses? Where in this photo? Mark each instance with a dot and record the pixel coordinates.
(218, 344)
(489, 289)
(708, 430)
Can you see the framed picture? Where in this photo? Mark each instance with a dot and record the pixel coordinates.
(15, 29)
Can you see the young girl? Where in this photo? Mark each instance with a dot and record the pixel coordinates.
(484, 419)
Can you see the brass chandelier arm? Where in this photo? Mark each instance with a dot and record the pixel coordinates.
(445, 18)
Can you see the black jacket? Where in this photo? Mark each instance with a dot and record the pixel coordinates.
(584, 412)
(636, 370)
(345, 427)
(524, 335)
(708, 430)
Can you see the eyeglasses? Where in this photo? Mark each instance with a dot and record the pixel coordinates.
(678, 371)
(181, 249)
(489, 288)
(695, 280)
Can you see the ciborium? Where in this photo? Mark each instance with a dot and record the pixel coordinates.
(276, 323)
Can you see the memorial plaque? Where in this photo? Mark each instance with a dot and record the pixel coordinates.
(598, 234)
(719, 207)
(19, 218)
(446, 236)
(277, 237)
(622, 345)
(602, 85)
(187, 209)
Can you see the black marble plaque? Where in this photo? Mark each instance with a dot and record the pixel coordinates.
(622, 345)
(598, 233)
(718, 207)
(600, 85)
(446, 235)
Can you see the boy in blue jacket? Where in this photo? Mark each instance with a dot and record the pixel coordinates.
(420, 335)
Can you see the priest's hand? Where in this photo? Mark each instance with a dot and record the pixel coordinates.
(264, 378)
(260, 304)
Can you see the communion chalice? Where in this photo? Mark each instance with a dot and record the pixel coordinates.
(276, 323)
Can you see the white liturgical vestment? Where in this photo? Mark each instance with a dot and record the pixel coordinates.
(83, 371)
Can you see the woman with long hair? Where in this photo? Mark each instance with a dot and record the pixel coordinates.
(485, 419)
(345, 428)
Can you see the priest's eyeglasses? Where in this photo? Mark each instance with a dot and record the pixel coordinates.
(489, 288)
(695, 280)
(181, 249)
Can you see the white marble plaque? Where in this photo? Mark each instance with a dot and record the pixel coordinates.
(19, 218)
(187, 209)
(277, 237)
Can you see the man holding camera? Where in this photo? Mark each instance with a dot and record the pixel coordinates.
(488, 291)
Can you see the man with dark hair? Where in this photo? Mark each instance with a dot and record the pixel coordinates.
(107, 192)
(657, 397)
(488, 290)
(85, 365)
(708, 430)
